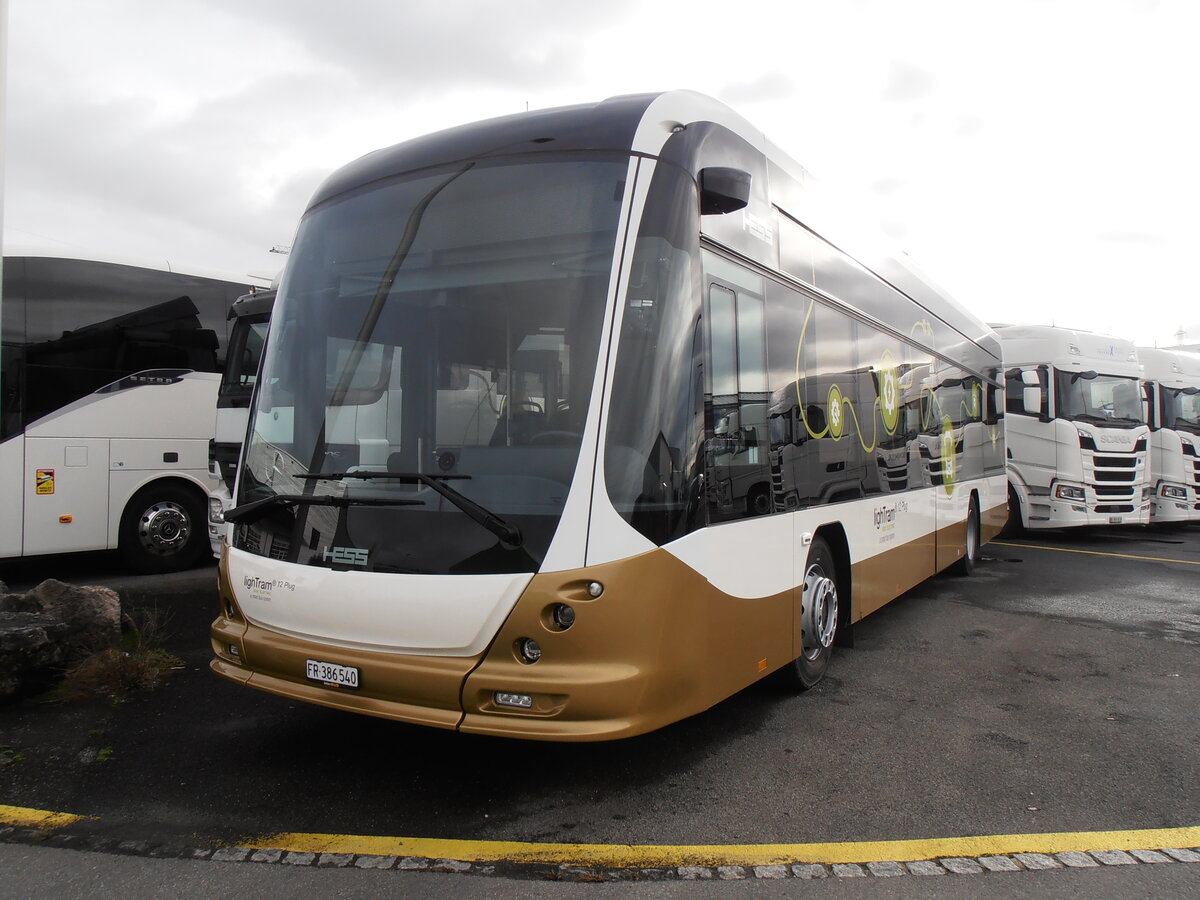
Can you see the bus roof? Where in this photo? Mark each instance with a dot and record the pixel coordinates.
(642, 124)
(24, 247)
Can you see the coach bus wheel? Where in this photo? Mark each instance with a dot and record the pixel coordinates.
(966, 564)
(818, 616)
(162, 529)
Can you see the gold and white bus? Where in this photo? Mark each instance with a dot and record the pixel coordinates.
(574, 423)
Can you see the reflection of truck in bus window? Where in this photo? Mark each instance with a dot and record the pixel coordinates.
(816, 454)
(897, 455)
(737, 479)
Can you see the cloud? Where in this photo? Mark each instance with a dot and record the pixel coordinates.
(1133, 237)
(427, 49)
(771, 86)
(906, 82)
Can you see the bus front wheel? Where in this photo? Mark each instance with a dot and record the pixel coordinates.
(162, 529)
(818, 615)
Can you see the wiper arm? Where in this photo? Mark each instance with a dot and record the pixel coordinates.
(256, 509)
(510, 535)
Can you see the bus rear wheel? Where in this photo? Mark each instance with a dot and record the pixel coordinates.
(818, 616)
(966, 564)
(162, 529)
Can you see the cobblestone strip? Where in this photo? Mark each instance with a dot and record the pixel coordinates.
(956, 865)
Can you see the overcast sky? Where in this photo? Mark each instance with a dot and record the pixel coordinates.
(1039, 158)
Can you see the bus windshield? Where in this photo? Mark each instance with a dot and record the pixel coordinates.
(432, 355)
(1100, 399)
(1181, 409)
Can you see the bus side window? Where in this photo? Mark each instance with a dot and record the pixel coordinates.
(739, 480)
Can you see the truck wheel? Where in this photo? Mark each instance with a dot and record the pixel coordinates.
(819, 615)
(163, 529)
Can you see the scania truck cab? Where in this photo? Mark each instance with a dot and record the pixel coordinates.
(1075, 424)
(249, 315)
(1171, 381)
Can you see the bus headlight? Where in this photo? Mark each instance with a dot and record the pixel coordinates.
(509, 698)
(1069, 492)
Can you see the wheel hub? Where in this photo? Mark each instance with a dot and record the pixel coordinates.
(164, 528)
(819, 610)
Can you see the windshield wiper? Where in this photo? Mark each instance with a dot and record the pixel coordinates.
(510, 535)
(256, 509)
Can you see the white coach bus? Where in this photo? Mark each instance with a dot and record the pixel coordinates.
(517, 461)
(1078, 444)
(108, 389)
(1171, 380)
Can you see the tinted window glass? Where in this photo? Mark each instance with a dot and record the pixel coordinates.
(75, 325)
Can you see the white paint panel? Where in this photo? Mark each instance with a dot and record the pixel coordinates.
(757, 557)
(186, 409)
(12, 500)
(433, 615)
(80, 492)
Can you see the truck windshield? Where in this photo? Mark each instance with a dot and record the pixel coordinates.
(1102, 399)
(433, 345)
(1181, 409)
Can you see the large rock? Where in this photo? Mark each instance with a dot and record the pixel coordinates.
(51, 627)
(32, 649)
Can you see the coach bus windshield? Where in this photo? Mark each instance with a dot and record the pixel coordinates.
(430, 363)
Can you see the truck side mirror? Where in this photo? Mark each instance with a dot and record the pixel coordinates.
(1031, 399)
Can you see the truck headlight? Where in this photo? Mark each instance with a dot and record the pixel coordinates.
(1173, 492)
(216, 511)
(1069, 492)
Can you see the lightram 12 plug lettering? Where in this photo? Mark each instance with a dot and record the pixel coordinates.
(263, 588)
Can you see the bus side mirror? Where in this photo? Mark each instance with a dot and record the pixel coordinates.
(723, 190)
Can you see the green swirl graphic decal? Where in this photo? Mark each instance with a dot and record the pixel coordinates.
(889, 393)
(837, 421)
(889, 403)
(949, 466)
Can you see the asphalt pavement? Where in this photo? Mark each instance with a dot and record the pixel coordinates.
(1055, 691)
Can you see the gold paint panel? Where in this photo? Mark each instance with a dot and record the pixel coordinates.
(661, 643)
(992, 521)
(885, 576)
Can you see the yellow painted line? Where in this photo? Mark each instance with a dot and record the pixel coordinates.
(644, 856)
(1186, 562)
(22, 817)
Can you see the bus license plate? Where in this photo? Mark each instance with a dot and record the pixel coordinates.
(331, 673)
(1115, 520)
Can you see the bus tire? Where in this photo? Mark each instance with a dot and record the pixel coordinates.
(163, 529)
(965, 566)
(820, 621)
